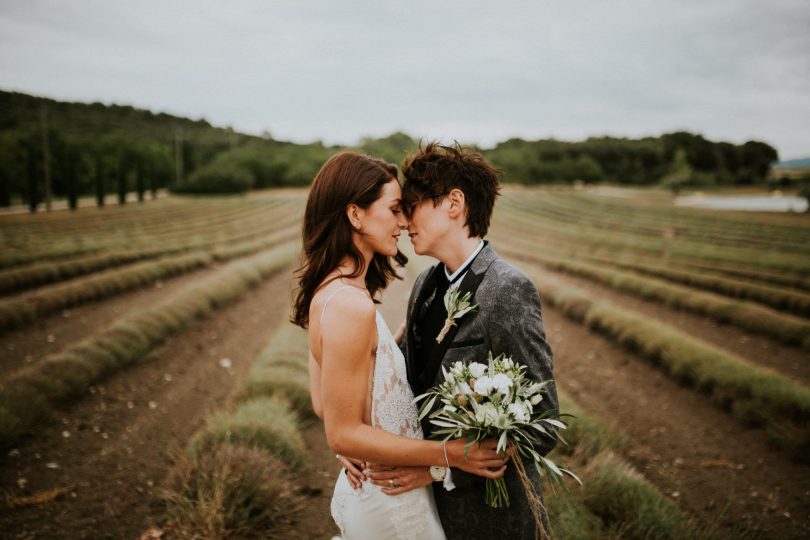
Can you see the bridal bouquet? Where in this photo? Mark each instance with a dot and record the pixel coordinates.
(496, 400)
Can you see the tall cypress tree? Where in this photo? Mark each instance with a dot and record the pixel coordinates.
(71, 178)
(122, 180)
(100, 187)
(139, 183)
(32, 191)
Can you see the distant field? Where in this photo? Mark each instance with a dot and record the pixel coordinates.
(681, 341)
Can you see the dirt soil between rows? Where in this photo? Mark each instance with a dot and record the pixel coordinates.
(693, 452)
(54, 333)
(110, 451)
(122, 435)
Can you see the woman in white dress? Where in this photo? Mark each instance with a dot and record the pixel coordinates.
(358, 382)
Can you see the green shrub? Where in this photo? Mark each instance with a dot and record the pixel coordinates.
(629, 505)
(280, 380)
(569, 518)
(232, 491)
(217, 178)
(265, 423)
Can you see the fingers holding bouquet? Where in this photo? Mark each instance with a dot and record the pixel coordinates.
(479, 458)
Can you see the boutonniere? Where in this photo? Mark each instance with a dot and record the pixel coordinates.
(456, 306)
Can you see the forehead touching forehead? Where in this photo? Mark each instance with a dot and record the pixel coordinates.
(391, 192)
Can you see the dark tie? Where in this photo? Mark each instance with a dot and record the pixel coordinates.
(442, 284)
(431, 326)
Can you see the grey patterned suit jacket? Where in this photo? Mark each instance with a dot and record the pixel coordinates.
(508, 320)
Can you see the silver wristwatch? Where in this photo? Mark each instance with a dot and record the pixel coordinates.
(437, 473)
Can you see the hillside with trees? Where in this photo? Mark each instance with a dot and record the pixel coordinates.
(84, 149)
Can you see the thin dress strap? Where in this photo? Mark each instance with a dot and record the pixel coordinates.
(320, 322)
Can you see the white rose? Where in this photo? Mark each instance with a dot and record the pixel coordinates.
(501, 383)
(483, 385)
(477, 370)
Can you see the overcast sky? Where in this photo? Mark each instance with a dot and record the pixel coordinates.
(479, 72)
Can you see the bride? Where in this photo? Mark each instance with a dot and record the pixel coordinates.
(358, 382)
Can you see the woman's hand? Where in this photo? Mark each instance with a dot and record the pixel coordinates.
(397, 480)
(481, 459)
(354, 470)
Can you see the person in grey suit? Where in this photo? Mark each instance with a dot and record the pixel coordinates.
(450, 193)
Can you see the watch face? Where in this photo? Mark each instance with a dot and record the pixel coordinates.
(437, 473)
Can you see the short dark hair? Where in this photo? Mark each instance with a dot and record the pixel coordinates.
(435, 170)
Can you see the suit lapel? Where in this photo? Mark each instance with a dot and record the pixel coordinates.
(475, 274)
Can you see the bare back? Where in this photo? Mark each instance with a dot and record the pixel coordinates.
(325, 315)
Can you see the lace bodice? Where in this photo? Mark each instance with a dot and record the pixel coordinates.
(392, 406)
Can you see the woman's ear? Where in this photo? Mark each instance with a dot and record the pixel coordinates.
(458, 203)
(353, 212)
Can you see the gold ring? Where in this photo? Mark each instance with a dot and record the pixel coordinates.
(391, 482)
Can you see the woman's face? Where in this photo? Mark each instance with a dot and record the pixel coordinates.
(383, 221)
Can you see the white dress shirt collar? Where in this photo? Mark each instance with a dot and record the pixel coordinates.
(463, 268)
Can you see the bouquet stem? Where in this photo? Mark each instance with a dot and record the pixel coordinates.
(497, 496)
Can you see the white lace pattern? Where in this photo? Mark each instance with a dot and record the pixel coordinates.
(392, 406)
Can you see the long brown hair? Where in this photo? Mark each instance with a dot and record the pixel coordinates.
(346, 178)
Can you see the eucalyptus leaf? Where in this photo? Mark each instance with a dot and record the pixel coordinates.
(572, 475)
(502, 443)
(551, 465)
(555, 423)
(426, 408)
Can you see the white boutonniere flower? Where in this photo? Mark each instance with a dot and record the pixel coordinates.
(457, 306)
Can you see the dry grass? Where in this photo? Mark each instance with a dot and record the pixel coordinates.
(232, 491)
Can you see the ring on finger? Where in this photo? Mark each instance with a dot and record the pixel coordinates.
(391, 482)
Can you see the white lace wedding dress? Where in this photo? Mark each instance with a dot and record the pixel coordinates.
(368, 513)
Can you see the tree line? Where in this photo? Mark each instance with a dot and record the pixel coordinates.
(67, 150)
(673, 159)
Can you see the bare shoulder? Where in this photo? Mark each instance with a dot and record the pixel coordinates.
(343, 311)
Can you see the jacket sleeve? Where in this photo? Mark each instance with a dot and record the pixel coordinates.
(516, 328)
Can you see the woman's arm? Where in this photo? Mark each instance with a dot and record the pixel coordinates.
(348, 336)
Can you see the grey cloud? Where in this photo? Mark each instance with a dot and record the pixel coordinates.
(474, 71)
